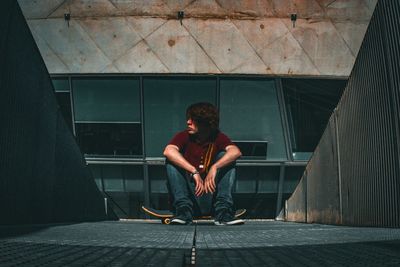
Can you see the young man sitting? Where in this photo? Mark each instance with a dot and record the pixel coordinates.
(201, 167)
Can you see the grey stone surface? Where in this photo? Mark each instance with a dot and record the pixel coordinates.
(114, 36)
(286, 56)
(35, 254)
(351, 254)
(261, 33)
(112, 234)
(303, 9)
(232, 37)
(271, 234)
(353, 34)
(206, 8)
(347, 10)
(145, 26)
(39, 8)
(52, 61)
(142, 7)
(149, 243)
(72, 45)
(178, 50)
(85, 8)
(325, 47)
(225, 45)
(333, 9)
(249, 8)
(140, 59)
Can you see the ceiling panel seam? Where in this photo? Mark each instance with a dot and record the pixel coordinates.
(202, 48)
(309, 57)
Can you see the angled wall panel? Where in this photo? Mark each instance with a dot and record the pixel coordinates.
(43, 177)
(368, 133)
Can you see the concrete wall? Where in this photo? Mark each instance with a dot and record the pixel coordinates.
(353, 177)
(216, 36)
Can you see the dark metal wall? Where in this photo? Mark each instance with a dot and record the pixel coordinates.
(360, 164)
(43, 176)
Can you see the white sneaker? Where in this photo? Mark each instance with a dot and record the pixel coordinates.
(178, 221)
(232, 222)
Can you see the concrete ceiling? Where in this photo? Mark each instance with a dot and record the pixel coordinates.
(338, 10)
(216, 36)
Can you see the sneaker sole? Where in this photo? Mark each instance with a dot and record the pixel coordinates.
(234, 222)
(179, 222)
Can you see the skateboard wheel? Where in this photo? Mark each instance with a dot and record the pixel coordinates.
(166, 221)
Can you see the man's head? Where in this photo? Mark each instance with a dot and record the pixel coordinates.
(202, 118)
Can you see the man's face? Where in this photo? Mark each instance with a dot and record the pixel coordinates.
(192, 127)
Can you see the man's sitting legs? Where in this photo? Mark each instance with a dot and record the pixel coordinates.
(180, 191)
(224, 207)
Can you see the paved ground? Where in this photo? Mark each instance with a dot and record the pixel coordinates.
(139, 243)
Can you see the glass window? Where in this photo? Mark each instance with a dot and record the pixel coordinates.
(113, 178)
(123, 186)
(249, 111)
(133, 178)
(159, 197)
(118, 178)
(165, 103)
(309, 104)
(110, 139)
(106, 99)
(158, 179)
(257, 179)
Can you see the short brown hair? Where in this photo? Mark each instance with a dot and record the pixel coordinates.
(205, 114)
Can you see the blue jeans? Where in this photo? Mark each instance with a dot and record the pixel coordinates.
(182, 187)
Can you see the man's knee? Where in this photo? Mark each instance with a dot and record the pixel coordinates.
(220, 155)
(173, 170)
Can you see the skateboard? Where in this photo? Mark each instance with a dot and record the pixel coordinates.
(166, 215)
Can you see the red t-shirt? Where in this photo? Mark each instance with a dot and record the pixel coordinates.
(200, 155)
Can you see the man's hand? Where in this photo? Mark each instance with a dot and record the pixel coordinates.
(209, 183)
(199, 189)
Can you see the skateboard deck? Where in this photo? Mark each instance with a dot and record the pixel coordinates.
(166, 215)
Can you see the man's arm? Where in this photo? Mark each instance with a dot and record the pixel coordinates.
(171, 152)
(232, 153)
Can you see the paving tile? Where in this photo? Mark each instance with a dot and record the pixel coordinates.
(344, 10)
(353, 254)
(303, 9)
(224, 43)
(137, 7)
(112, 234)
(53, 63)
(177, 50)
(324, 46)
(257, 243)
(71, 44)
(110, 69)
(113, 36)
(178, 5)
(353, 33)
(140, 59)
(371, 4)
(70, 255)
(272, 234)
(145, 26)
(85, 8)
(38, 9)
(248, 8)
(261, 33)
(205, 8)
(286, 57)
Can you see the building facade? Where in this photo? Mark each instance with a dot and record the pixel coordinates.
(124, 72)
